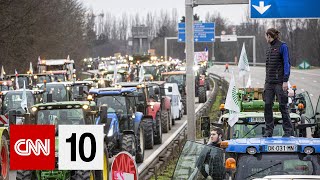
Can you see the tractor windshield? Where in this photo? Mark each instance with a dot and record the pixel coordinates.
(150, 70)
(58, 91)
(178, 79)
(260, 165)
(61, 116)
(40, 79)
(58, 77)
(12, 101)
(240, 130)
(115, 103)
(75, 91)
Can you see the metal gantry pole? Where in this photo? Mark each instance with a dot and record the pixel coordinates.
(190, 85)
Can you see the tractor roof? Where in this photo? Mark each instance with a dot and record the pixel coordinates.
(112, 91)
(174, 73)
(63, 104)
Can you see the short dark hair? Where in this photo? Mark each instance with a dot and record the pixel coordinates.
(218, 130)
(273, 33)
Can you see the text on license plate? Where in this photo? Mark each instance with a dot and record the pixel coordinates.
(257, 119)
(281, 148)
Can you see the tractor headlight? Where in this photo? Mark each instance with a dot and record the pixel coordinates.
(34, 109)
(85, 107)
(251, 150)
(110, 133)
(308, 150)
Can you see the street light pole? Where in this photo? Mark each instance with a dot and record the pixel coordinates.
(190, 74)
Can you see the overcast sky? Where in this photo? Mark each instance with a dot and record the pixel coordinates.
(234, 13)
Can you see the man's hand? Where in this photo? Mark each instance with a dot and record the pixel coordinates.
(285, 86)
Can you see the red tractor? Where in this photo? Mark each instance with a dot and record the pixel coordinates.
(157, 94)
(152, 113)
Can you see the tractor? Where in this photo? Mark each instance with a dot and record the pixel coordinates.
(123, 122)
(153, 117)
(62, 113)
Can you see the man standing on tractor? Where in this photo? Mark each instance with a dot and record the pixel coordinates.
(276, 83)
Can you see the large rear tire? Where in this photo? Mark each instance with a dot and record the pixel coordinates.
(158, 138)
(165, 121)
(4, 158)
(140, 139)
(202, 94)
(128, 144)
(148, 132)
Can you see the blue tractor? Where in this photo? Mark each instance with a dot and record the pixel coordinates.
(123, 124)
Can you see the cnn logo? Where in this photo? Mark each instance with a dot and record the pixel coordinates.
(32, 143)
(36, 147)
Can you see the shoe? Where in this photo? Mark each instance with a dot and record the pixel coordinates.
(267, 134)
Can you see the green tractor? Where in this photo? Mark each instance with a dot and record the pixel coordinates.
(63, 113)
(251, 123)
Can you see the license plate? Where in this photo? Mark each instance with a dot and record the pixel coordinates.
(281, 148)
(257, 119)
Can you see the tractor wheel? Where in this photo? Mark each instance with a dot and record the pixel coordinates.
(173, 122)
(148, 133)
(24, 175)
(128, 144)
(158, 138)
(165, 121)
(140, 139)
(202, 94)
(83, 175)
(4, 158)
(207, 83)
(184, 102)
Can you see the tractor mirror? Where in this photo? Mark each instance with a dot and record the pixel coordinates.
(49, 97)
(12, 116)
(170, 89)
(80, 90)
(205, 126)
(156, 90)
(141, 97)
(103, 114)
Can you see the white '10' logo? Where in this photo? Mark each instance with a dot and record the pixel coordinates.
(36, 147)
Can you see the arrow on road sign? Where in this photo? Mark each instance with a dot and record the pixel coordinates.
(261, 8)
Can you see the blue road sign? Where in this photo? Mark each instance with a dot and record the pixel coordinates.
(284, 9)
(203, 32)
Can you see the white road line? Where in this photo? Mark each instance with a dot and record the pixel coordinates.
(302, 78)
(311, 94)
(258, 83)
(302, 89)
(314, 81)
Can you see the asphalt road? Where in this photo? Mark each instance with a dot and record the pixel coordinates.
(305, 80)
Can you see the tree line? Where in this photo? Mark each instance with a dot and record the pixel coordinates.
(56, 29)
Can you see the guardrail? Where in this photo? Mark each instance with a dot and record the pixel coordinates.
(232, 63)
(173, 146)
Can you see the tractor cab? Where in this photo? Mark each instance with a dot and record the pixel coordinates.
(260, 157)
(123, 123)
(22, 78)
(58, 90)
(251, 121)
(11, 102)
(6, 85)
(79, 90)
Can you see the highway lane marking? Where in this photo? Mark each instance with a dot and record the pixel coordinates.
(314, 81)
(307, 73)
(302, 89)
(302, 78)
(311, 94)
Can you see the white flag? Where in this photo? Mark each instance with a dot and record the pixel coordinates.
(249, 82)
(243, 62)
(24, 100)
(17, 84)
(232, 103)
(31, 69)
(141, 74)
(68, 58)
(2, 73)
